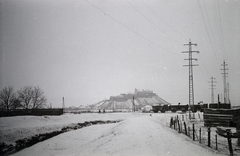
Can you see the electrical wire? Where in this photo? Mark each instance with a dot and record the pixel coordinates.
(216, 19)
(205, 24)
(168, 25)
(218, 23)
(153, 23)
(221, 31)
(208, 21)
(136, 33)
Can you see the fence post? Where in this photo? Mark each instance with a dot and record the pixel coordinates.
(179, 130)
(238, 132)
(216, 142)
(174, 124)
(182, 117)
(171, 122)
(181, 126)
(193, 132)
(229, 143)
(209, 136)
(200, 137)
(189, 131)
(185, 127)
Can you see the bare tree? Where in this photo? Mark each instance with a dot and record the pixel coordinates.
(7, 98)
(39, 100)
(31, 97)
(17, 104)
(25, 96)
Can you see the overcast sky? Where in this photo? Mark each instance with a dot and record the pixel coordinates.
(89, 50)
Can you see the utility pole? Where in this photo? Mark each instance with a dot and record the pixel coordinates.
(212, 88)
(224, 81)
(133, 105)
(63, 104)
(113, 106)
(218, 99)
(190, 65)
(228, 88)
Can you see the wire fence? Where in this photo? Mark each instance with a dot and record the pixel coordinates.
(192, 125)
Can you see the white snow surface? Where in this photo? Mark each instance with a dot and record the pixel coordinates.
(137, 135)
(20, 127)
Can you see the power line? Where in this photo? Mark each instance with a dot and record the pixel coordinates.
(128, 27)
(208, 21)
(210, 39)
(221, 31)
(181, 35)
(218, 24)
(168, 25)
(152, 23)
(216, 19)
(205, 68)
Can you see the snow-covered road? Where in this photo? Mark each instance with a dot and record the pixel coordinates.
(138, 135)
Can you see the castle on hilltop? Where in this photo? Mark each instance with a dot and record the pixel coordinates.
(127, 102)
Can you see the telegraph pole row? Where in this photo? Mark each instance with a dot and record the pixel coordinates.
(190, 65)
(212, 88)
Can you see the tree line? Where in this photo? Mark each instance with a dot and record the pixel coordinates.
(27, 97)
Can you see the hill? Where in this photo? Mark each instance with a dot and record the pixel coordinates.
(128, 102)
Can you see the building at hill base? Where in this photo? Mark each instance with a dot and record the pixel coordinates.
(128, 102)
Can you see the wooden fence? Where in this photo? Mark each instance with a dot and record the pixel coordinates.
(37, 112)
(207, 136)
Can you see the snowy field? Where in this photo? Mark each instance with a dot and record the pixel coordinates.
(138, 134)
(15, 128)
